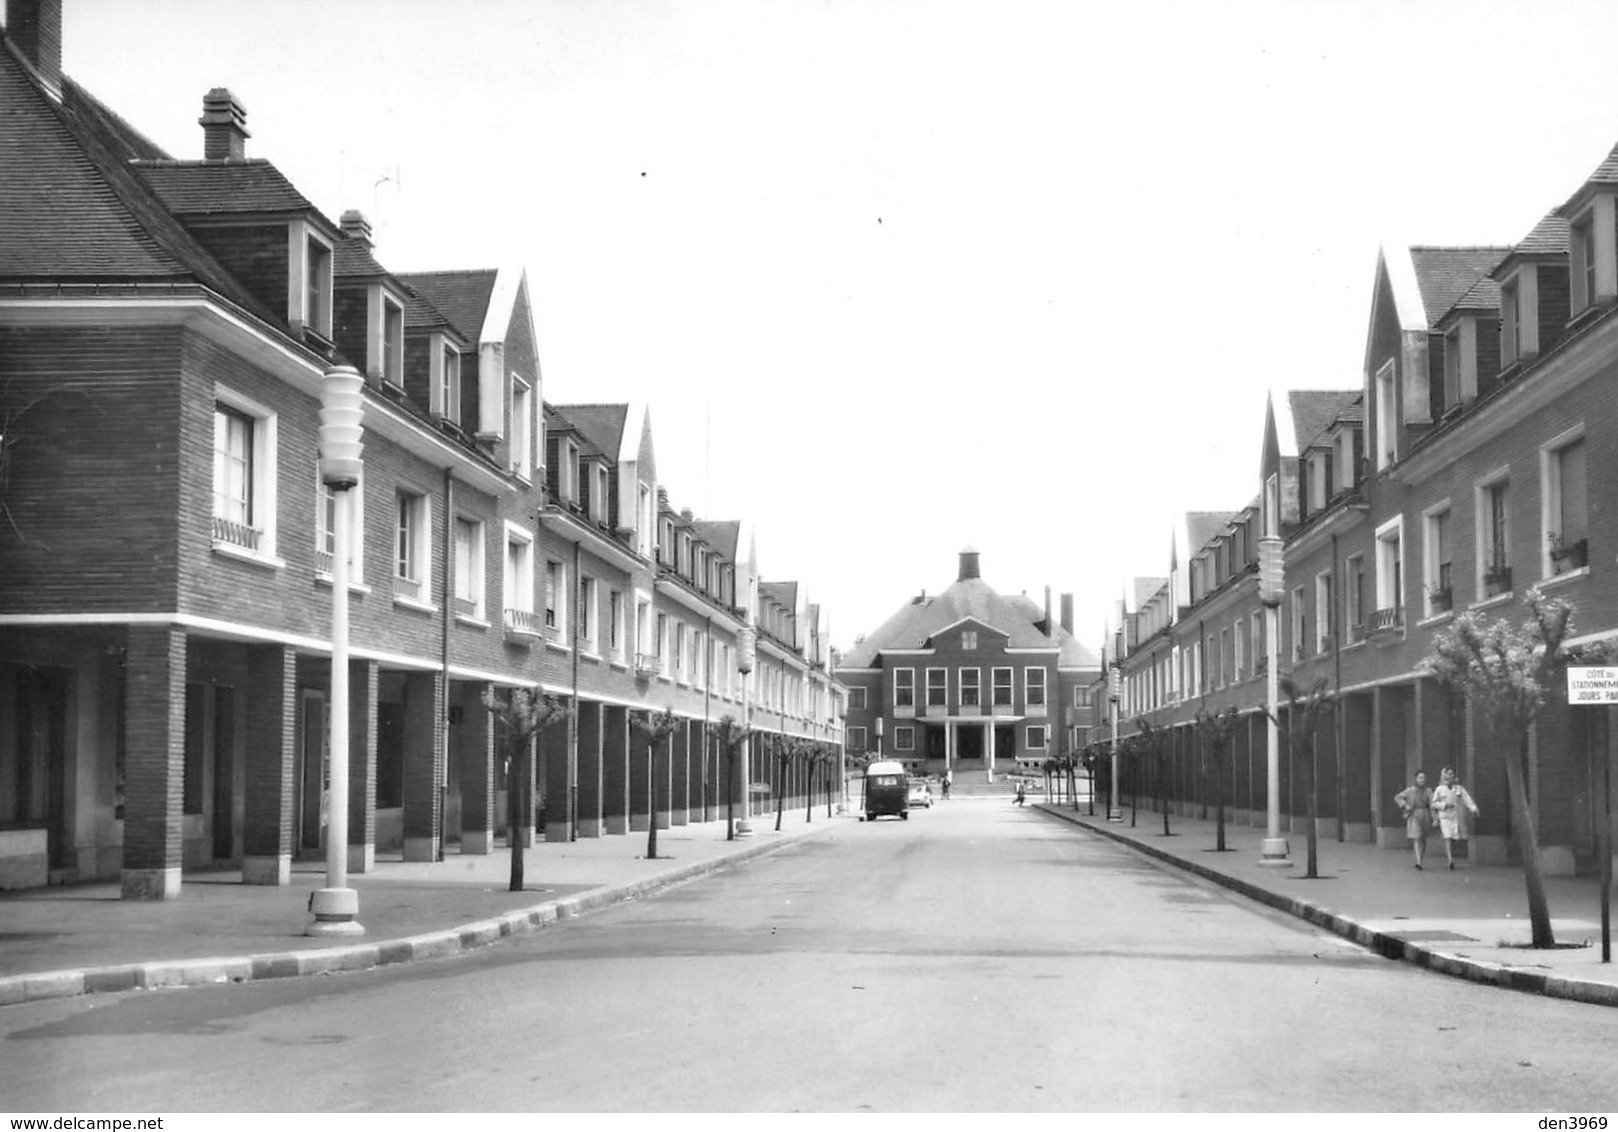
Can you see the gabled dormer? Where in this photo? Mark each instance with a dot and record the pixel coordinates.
(1533, 281)
(440, 366)
(1348, 449)
(253, 221)
(1469, 337)
(369, 313)
(1593, 241)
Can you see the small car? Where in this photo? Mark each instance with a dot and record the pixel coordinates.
(921, 793)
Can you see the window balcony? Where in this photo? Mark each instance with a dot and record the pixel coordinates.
(521, 624)
(1569, 556)
(1387, 620)
(236, 534)
(648, 664)
(1496, 580)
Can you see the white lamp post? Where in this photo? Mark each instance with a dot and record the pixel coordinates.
(1115, 812)
(342, 407)
(1273, 850)
(745, 657)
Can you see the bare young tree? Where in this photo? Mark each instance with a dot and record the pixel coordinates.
(1217, 728)
(730, 736)
(656, 727)
(1154, 744)
(1305, 707)
(1507, 672)
(521, 715)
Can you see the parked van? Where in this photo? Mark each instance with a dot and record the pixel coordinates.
(887, 790)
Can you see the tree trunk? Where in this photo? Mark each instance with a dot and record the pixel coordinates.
(1219, 800)
(1162, 789)
(651, 798)
(809, 794)
(730, 795)
(780, 794)
(1539, 912)
(514, 781)
(1313, 809)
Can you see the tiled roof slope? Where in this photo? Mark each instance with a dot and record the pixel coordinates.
(722, 535)
(915, 623)
(71, 210)
(1201, 527)
(601, 425)
(1146, 589)
(462, 296)
(784, 594)
(353, 258)
(422, 315)
(1445, 274)
(1484, 295)
(1314, 410)
(124, 140)
(1549, 237)
(222, 188)
(1073, 654)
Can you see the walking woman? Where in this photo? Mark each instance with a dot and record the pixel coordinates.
(1452, 805)
(1416, 804)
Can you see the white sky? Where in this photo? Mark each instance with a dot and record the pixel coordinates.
(898, 277)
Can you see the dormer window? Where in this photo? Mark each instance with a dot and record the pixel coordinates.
(447, 384)
(1387, 418)
(598, 497)
(1510, 322)
(392, 351)
(1320, 469)
(567, 472)
(1582, 262)
(317, 289)
(1347, 469)
(643, 521)
(522, 416)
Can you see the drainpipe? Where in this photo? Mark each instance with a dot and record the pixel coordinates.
(573, 716)
(448, 610)
(707, 698)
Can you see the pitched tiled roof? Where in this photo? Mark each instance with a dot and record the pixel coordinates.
(784, 594)
(1484, 295)
(1549, 237)
(1146, 589)
(1201, 527)
(1073, 654)
(422, 315)
(461, 296)
(601, 425)
(1314, 410)
(355, 258)
(915, 622)
(721, 534)
(1445, 274)
(218, 188)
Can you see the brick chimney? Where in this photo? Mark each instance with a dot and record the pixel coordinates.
(969, 565)
(1067, 614)
(224, 126)
(35, 26)
(356, 227)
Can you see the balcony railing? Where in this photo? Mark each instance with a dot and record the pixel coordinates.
(647, 664)
(521, 623)
(236, 534)
(1496, 580)
(1387, 620)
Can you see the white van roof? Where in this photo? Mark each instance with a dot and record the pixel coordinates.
(885, 767)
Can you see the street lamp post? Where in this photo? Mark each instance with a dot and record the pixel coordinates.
(342, 407)
(744, 664)
(1273, 851)
(1114, 810)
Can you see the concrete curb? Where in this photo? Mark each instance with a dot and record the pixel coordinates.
(212, 971)
(1388, 946)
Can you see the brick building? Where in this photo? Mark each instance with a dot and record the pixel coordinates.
(971, 681)
(1456, 478)
(166, 326)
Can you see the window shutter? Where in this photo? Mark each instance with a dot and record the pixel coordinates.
(612, 497)
(553, 464)
(584, 484)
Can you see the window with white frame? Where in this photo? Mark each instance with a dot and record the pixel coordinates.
(589, 623)
(856, 738)
(1437, 579)
(244, 475)
(1389, 574)
(904, 738)
(328, 504)
(555, 597)
(1510, 321)
(1081, 697)
(518, 583)
(643, 521)
(468, 567)
(699, 660)
(1452, 366)
(1325, 612)
(1494, 534)
(1034, 687)
(598, 495)
(1299, 627)
(566, 474)
(317, 289)
(678, 645)
(1582, 261)
(904, 687)
(662, 643)
(1238, 639)
(392, 344)
(615, 627)
(1387, 418)
(449, 383)
(413, 558)
(1564, 502)
(522, 426)
(1354, 594)
(969, 640)
(856, 698)
(1034, 737)
(971, 687)
(937, 687)
(644, 646)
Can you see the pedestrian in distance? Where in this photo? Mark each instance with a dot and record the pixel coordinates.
(1454, 808)
(1022, 793)
(949, 776)
(1416, 804)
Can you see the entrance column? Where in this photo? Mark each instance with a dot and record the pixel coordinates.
(423, 765)
(272, 707)
(588, 818)
(615, 768)
(991, 734)
(155, 762)
(363, 676)
(559, 774)
(474, 756)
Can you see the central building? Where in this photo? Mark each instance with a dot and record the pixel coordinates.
(970, 681)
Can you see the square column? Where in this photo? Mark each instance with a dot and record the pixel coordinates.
(154, 762)
(363, 676)
(1357, 709)
(474, 757)
(423, 765)
(640, 807)
(680, 774)
(589, 816)
(615, 808)
(559, 775)
(1393, 764)
(272, 713)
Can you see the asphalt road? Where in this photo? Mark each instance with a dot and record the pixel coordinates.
(975, 957)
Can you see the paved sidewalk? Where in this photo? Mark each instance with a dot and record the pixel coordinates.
(1471, 922)
(83, 939)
